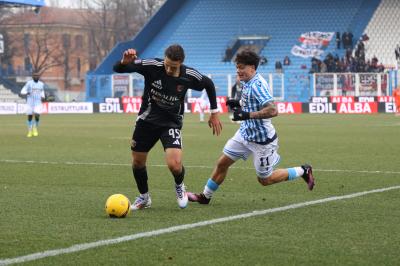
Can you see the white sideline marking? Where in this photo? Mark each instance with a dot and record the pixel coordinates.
(85, 246)
(189, 166)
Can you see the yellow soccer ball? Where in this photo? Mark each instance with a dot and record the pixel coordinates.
(117, 206)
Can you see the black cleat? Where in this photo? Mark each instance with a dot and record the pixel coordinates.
(308, 176)
(200, 198)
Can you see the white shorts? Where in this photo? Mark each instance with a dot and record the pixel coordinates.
(265, 157)
(35, 109)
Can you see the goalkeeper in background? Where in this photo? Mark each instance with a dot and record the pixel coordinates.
(256, 135)
(34, 92)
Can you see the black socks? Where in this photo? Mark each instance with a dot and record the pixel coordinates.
(141, 179)
(179, 177)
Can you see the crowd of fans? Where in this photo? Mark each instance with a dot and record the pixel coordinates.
(352, 61)
(349, 62)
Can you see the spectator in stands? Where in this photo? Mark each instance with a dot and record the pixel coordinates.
(339, 66)
(360, 50)
(228, 54)
(236, 93)
(322, 67)
(286, 61)
(34, 92)
(348, 55)
(315, 66)
(161, 114)
(236, 90)
(278, 66)
(338, 40)
(263, 60)
(347, 40)
(365, 37)
(330, 63)
(397, 52)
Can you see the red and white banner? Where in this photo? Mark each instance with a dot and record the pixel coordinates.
(131, 104)
(316, 38)
(312, 44)
(289, 108)
(306, 52)
(196, 105)
(357, 108)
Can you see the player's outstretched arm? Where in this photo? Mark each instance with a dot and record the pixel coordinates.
(125, 65)
(213, 121)
(128, 56)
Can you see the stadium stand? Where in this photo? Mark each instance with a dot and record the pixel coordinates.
(383, 31)
(205, 28)
(7, 96)
(9, 91)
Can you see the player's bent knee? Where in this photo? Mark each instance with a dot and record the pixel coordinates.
(137, 163)
(175, 166)
(264, 180)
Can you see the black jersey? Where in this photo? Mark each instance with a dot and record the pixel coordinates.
(163, 95)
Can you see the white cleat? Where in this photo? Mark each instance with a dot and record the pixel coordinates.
(141, 203)
(181, 196)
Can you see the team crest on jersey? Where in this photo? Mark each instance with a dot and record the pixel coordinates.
(179, 88)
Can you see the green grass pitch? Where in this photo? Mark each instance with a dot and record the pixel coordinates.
(53, 189)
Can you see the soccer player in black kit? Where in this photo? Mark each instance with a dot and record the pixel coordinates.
(161, 114)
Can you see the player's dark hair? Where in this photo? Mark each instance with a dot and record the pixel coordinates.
(248, 57)
(175, 52)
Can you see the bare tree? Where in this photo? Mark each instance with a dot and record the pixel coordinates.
(148, 8)
(8, 53)
(111, 21)
(43, 52)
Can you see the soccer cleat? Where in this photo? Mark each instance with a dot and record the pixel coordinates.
(308, 176)
(141, 203)
(29, 134)
(200, 198)
(35, 132)
(181, 195)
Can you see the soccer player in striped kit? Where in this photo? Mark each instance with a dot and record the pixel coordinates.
(256, 135)
(34, 92)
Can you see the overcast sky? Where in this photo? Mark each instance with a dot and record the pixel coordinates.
(63, 3)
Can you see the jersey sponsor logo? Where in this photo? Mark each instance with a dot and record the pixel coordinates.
(157, 84)
(133, 143)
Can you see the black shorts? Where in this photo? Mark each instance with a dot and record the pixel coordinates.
(146, 135)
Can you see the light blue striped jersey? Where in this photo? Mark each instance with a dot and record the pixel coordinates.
(35, 91)
(255, 93)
